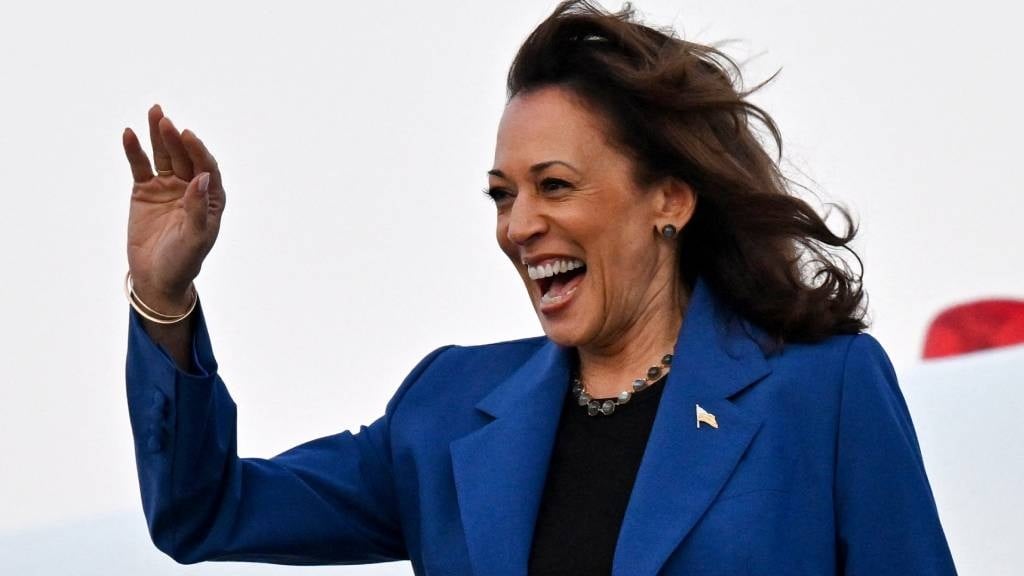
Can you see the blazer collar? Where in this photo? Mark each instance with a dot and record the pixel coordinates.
(500, 469)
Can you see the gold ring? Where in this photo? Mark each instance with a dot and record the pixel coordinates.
(165, 172)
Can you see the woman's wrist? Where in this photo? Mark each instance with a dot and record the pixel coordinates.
(167, 302)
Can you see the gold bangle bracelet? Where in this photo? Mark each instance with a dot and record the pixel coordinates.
(142, 308)
(131, 292)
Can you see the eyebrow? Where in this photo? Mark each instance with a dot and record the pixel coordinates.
(535, 168)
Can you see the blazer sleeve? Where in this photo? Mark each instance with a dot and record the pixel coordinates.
(886, 516)
(328, 501)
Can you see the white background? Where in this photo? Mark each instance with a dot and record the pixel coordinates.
(354, 139)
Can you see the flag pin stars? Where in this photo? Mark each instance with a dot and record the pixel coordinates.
(705, 417)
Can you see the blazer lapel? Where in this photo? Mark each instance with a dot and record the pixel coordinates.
(684, 467)
(500, 469)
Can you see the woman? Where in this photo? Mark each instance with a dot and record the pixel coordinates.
(702, 401)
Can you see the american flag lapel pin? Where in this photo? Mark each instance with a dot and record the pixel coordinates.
(705, 417)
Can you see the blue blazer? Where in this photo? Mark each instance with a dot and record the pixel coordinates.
(814, 467)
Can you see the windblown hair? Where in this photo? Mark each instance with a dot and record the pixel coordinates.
(679, 111)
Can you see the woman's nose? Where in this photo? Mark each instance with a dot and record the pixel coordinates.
(525, 220)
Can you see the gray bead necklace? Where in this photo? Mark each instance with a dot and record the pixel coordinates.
(607, 407)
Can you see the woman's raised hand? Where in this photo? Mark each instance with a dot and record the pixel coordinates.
(175, 214)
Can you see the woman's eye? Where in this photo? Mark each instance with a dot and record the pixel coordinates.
(553, 184)
(497, 194)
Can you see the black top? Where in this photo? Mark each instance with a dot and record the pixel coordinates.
(590, 478)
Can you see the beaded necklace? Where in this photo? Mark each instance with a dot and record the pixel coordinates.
(607, 407)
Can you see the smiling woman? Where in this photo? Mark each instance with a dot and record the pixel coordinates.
(702, 401)
(564, 193)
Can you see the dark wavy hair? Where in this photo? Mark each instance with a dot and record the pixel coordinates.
(679, 110)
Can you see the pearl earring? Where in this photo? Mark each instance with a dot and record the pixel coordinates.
(669, 231)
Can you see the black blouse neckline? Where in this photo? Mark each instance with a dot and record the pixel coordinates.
(590, 477)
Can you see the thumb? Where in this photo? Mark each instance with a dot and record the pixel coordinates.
(197, 201)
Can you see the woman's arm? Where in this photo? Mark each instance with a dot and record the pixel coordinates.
(329, 501)
(175, 339)
(886, 516)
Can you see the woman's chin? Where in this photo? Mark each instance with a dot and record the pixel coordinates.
(564, 330)
(562, 339)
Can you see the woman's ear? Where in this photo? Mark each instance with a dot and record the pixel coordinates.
(675, 203)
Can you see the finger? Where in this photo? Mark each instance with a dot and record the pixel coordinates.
(202, 160)
(180, 162)
(197, 201)
(161, 159)
(137, 159)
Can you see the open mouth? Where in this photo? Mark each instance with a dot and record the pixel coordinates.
(557, 278)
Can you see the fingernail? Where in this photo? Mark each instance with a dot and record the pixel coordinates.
(204, 182)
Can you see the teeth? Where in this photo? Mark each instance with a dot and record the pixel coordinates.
(551, 268)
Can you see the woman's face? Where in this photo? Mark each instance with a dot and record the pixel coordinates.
(578, 230)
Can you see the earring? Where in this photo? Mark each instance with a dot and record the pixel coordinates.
(669, 231)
